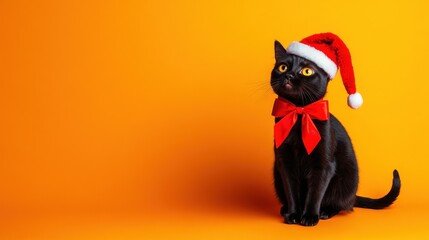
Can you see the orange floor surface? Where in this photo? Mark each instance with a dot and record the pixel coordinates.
(399, 222)
(125, 119)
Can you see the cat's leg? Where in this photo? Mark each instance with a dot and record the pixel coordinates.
(291, 208)
(278, 186)
(283, 209)
(318, 182)
(340, 195)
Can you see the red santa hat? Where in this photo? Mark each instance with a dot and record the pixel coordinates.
(329, 53)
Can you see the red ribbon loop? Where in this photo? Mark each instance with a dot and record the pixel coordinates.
(310, 135)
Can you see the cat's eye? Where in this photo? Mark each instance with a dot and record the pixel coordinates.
(307, 71)
(282, 68)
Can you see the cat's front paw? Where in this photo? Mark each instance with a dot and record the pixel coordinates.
(309, 220)
(291, 218)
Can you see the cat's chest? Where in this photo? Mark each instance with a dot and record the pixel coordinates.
(294, 138)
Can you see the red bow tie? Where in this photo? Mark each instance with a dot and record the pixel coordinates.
(310, 135)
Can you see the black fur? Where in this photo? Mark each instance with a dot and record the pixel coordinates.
(319, 185)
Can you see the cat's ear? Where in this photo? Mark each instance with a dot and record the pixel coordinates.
(279, 50)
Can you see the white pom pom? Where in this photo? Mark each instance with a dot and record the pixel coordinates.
(355, 100)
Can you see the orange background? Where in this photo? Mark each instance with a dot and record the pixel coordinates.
(151, 120)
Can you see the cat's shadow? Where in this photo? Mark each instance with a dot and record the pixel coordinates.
(236, 185)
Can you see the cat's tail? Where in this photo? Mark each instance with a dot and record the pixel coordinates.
(364, 202)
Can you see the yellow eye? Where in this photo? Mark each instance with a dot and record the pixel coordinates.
(307, 71)
(282, 68)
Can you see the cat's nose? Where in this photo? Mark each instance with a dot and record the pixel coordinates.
(289, 76)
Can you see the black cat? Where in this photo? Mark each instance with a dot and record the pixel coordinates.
(320, 184)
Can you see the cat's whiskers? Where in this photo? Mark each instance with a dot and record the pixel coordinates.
(310, 93)
(263, 87)
(277, 84)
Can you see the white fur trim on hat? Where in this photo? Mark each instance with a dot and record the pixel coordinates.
(314, 55)
(355, 100)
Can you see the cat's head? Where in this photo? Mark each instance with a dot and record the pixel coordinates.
(297, 79)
